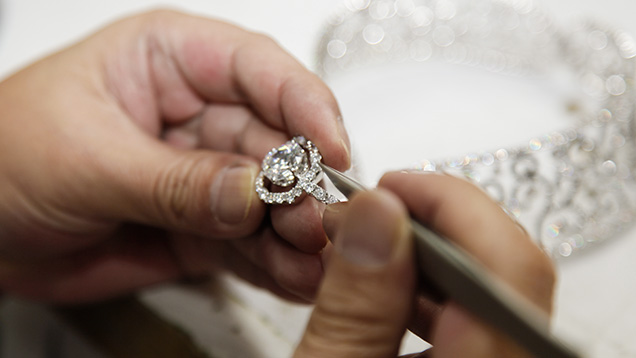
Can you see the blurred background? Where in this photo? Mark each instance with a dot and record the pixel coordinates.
(596, 296)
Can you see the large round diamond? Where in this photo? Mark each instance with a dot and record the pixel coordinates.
(283, 162)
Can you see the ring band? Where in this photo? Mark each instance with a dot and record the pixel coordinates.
(295, 164)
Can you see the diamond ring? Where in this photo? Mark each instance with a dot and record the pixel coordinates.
(295, 164)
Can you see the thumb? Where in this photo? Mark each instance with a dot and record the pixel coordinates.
(367, 294)
(193, 191)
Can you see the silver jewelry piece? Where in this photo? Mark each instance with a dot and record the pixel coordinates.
(295, 164)
(572, 188)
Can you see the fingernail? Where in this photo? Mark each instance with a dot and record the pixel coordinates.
(233, 193)
(336, 208)
(370, 231)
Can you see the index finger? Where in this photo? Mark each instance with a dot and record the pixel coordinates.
(224, 63)
(464, 214)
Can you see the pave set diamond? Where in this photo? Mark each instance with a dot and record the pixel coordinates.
(295, 164)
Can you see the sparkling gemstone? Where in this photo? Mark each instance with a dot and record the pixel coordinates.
(320, 194)
(283, 163)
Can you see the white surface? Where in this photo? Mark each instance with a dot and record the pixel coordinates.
(596, 302)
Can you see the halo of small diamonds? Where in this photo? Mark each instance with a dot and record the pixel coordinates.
(295, 164)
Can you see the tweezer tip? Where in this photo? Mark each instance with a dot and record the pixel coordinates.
(346, 185)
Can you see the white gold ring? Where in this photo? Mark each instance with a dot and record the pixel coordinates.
(295, 164)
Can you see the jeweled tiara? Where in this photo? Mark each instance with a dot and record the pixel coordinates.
(571, 188)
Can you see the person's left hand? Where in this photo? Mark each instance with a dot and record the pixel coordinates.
(129, 159)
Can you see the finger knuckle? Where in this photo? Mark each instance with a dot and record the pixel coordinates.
(175, 188)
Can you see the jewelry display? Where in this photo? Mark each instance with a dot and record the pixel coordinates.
(571, 188)
(295, 164)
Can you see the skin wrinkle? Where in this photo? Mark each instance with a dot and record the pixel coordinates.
(217, 65)
(274, 84)
(340, 323)
(173, 179)
(236, 86)
(113, 93)
(237, 142)
(142, 81)
(153, 46)
(113, 177)
(185, 136)
(173, 61)
(145, 50)
(225, 62)
(282, 90)
(319, 111)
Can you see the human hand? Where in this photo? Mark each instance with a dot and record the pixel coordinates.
(367, 297)
(123, 156)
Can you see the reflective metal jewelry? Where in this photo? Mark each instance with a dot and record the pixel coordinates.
(294, 165)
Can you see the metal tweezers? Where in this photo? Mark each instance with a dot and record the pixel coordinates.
(467, 282)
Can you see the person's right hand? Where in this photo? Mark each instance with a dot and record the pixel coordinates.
(367, 298)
